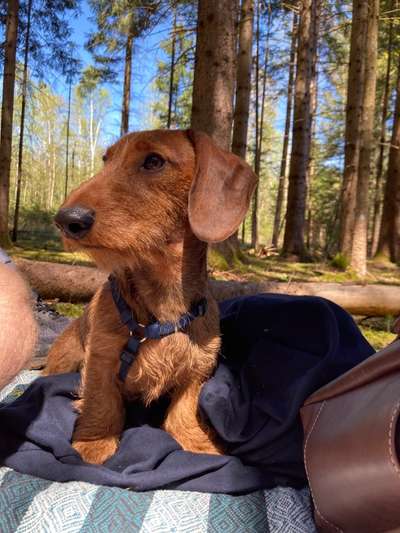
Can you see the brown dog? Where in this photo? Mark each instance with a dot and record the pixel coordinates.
(147, 216)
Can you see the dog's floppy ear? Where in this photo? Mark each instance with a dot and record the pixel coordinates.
(221, 190)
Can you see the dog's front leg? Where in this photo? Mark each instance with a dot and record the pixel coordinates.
(184, 423)
(67, 353)
(101, 413)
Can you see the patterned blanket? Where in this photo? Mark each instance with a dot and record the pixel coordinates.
(29, 504)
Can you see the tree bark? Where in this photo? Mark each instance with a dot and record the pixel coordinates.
(214, 82)
(171, 72)
(7, 116)
(293, 245)
(243, 79)
(260, 122)
(389, 238)
(313, 126)
(254, 211)
(353, 124)
(22, 124)
(243, 90)
(67, 143)
(377, 213)
(289, 104)
(126, 97)
(214, 72)
(72, 283)
(360, 233)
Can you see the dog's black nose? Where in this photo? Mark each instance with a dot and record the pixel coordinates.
(75, 221)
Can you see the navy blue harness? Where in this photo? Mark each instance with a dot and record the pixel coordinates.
(139, 333)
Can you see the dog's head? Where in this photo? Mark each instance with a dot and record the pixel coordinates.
(153, 186)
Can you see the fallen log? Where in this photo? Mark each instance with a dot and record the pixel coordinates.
(71, 283)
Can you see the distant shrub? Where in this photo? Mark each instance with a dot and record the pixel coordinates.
(36, 219)
(216, 260)
(340, 261)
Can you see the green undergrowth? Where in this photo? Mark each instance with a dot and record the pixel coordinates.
(68, 309)
(377, 338)
(377, 330)
(47, 248)
(276, 269)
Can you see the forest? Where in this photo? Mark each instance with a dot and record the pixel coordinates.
(308, 92)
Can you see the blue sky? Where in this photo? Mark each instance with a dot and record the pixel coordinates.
(147, 53)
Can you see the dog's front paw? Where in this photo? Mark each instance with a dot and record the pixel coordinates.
(96, 451)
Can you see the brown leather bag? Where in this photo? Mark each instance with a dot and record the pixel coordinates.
(352, 447)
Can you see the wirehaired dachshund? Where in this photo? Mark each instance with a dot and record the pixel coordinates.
(146, 218)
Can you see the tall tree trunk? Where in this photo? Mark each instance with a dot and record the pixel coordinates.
(355, 85)
(293, 245)
(313, 125)
(311, 161)
(254, 211)
(289, 104)
(48, 166)
(214, 81)
(243, 80)
(382, 142)
(260, 121)
(7, 116)
(360, 233)
(126, 97)
(67, 143)
(22, 125)
(243, 89)
(389, 238)
(214, 73)
(171, 72)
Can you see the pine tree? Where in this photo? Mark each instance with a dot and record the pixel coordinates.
(377, 201)
(118, 25)
(353, 125)
(389, 238)
(214, 74)
(7, 116)
(285, 148)
(293, 245)
(359, 238)
(243, 79)
(174, 80)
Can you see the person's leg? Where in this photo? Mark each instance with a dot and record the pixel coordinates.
(50, 323)
(18, 330)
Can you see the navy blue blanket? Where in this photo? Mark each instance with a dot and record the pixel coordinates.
(276, 351)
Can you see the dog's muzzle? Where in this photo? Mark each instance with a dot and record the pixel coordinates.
(75, 222)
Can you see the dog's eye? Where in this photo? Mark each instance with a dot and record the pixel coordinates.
(153, 162)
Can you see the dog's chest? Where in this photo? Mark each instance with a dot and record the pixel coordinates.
(160, 366)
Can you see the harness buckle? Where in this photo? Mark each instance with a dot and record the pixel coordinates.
(139, 333)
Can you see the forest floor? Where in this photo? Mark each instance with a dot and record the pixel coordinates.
(377, 330)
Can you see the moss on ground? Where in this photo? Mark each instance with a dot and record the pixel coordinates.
(68, 309)
(49, 249)
(377, 338)
(274, 268)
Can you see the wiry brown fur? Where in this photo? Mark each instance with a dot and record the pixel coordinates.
(143, 235)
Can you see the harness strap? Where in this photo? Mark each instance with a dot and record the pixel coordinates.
(139, 333)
